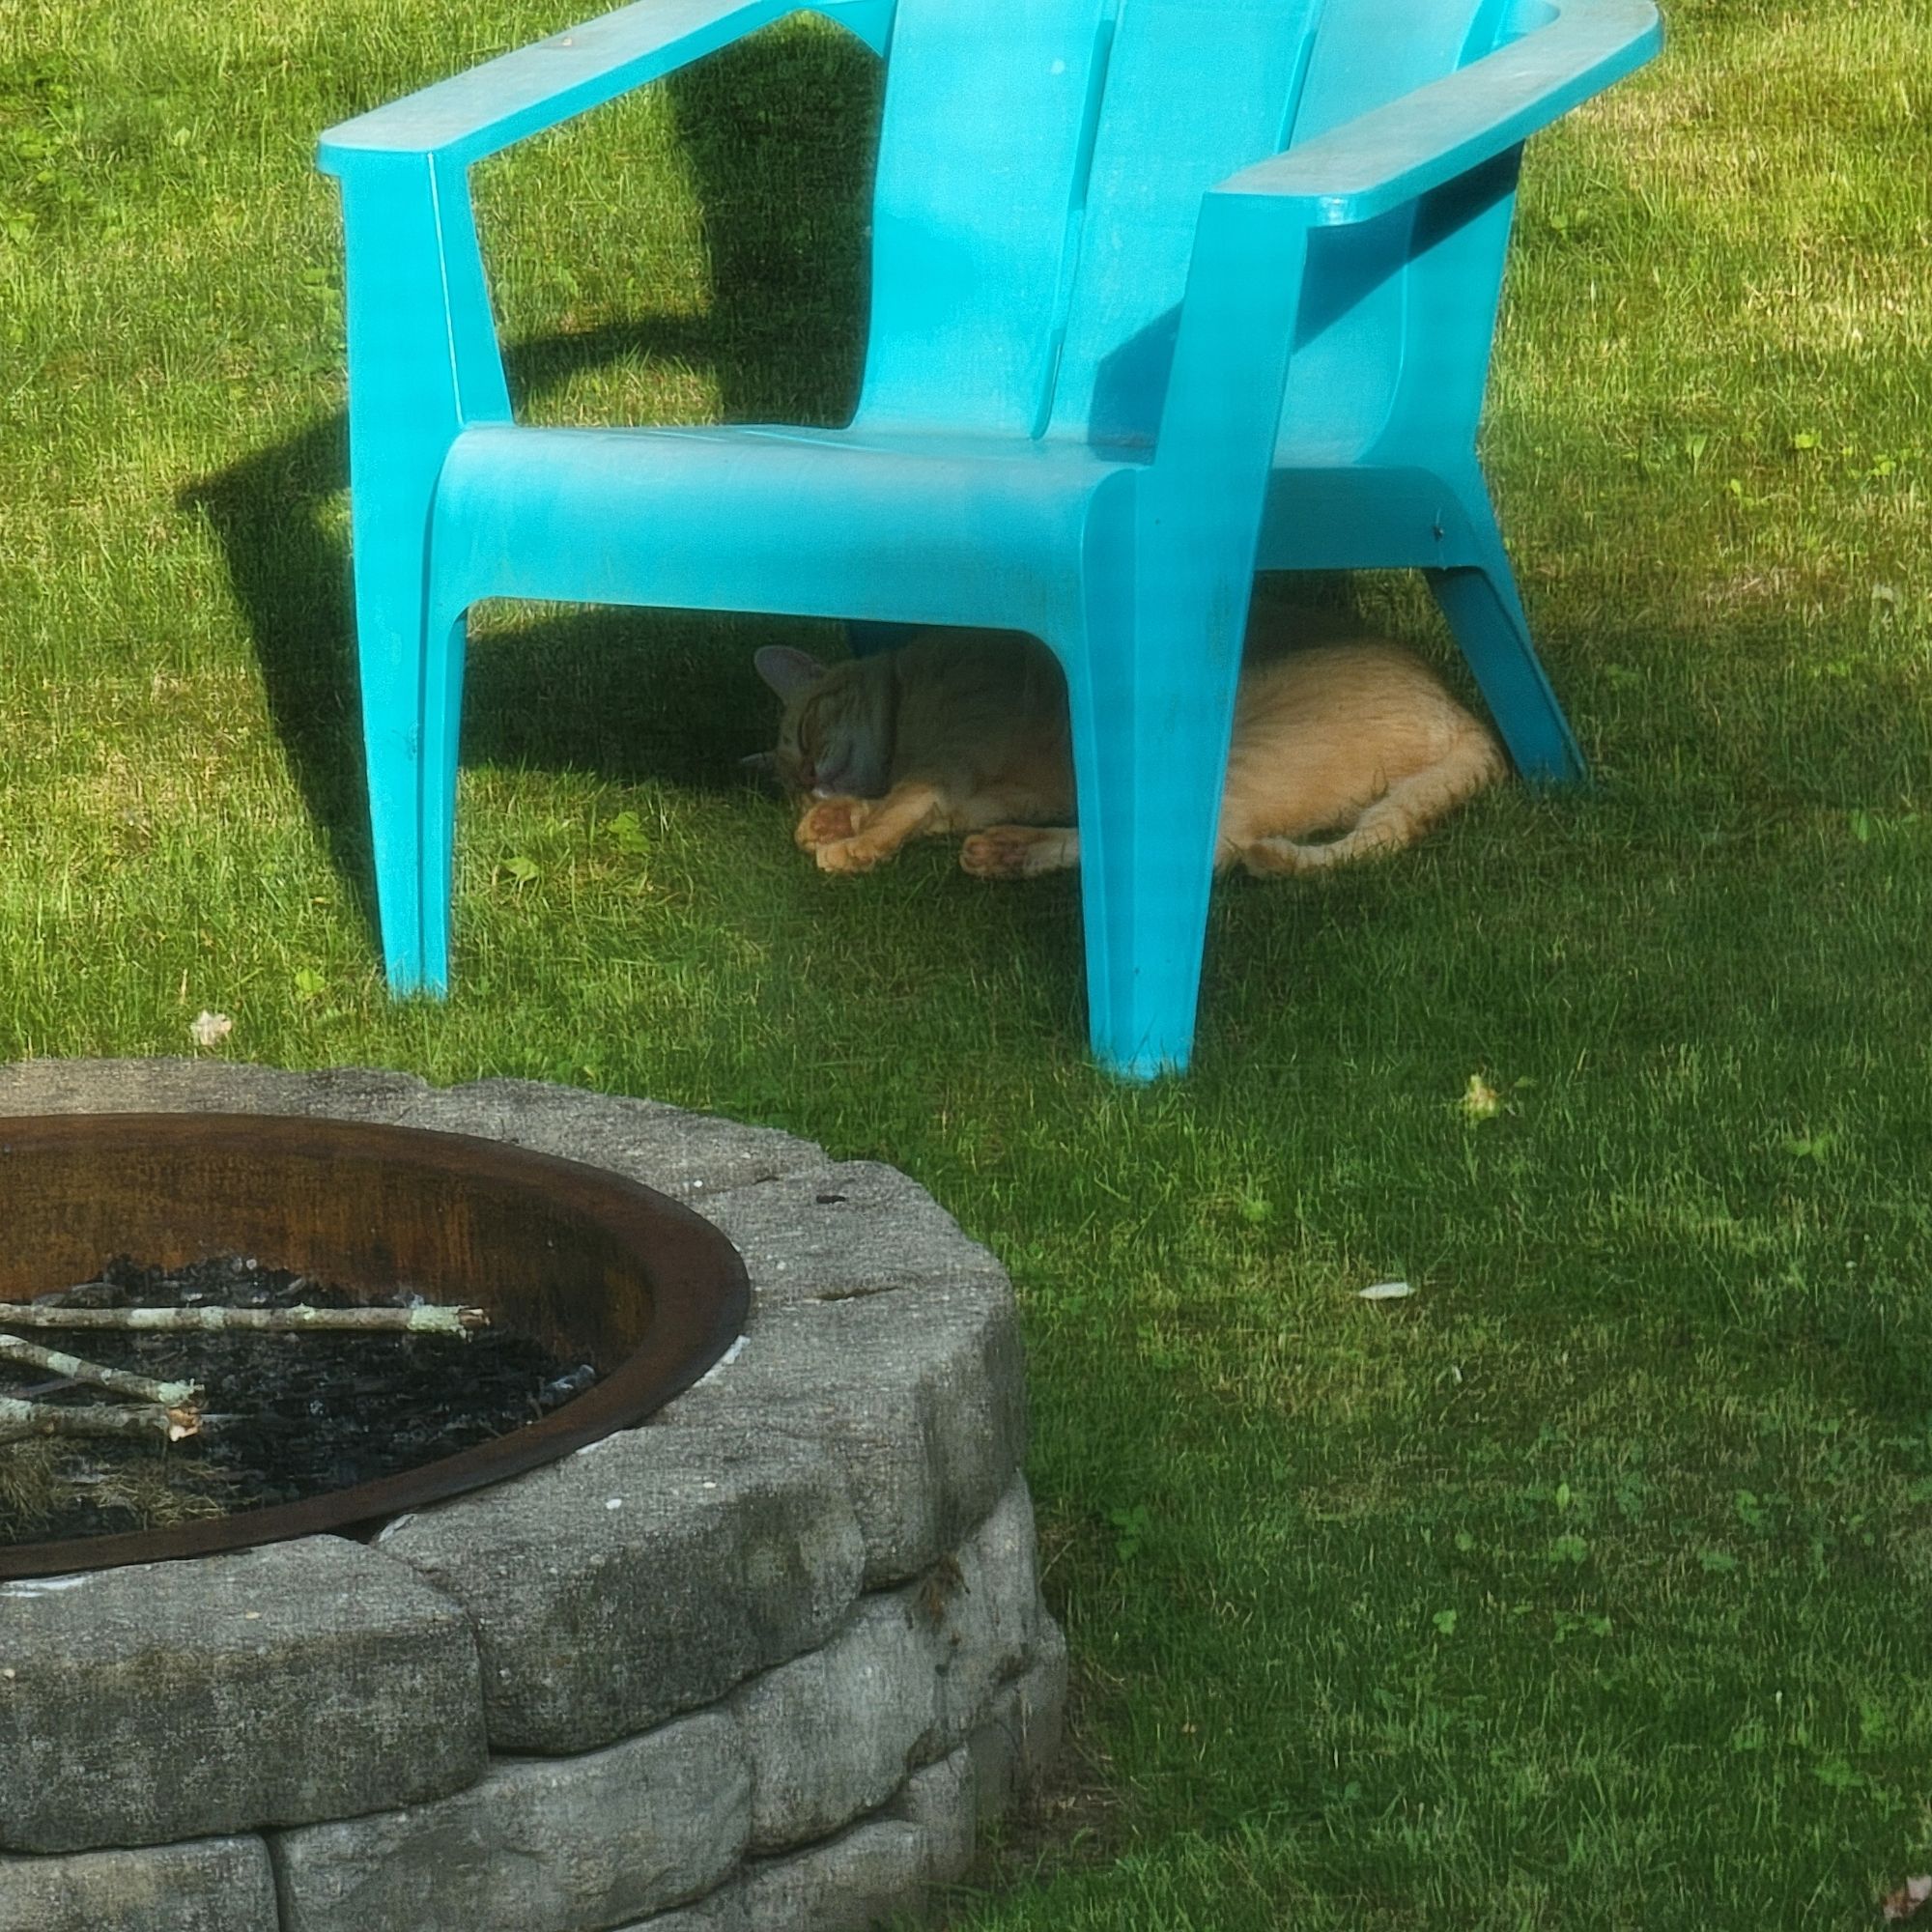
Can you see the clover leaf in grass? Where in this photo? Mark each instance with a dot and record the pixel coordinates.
(627, 834)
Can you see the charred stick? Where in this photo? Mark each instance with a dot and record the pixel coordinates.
(20, 1420)
(119, 1382)
(424, 1320)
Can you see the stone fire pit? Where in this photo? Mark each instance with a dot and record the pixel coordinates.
(768, 1662)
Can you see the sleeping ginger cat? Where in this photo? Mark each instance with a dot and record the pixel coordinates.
(967, 731)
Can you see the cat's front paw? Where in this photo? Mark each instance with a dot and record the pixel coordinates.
(848, 855)
(828, 820)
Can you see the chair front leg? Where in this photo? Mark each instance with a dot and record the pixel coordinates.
(1167, 575)
(423, 363)
(1150, 688)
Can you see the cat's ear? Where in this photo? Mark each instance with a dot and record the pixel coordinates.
(786, 670)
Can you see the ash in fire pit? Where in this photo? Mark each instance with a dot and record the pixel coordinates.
(593, 1267)
(285, 1416)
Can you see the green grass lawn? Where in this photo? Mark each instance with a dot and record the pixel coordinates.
(1586, 1587)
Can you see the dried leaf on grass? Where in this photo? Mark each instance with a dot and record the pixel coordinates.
(210, 1030)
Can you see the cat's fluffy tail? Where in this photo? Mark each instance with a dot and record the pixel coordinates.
(1399, 818)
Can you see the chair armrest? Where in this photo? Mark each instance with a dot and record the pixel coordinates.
(461, 119)
(1252, 246)
(1393, 154)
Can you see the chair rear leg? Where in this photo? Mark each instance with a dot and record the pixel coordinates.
(1479, 601)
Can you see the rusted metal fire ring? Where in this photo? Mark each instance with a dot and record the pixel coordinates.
(600, 1267)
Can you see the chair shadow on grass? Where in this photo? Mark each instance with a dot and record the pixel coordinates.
(628, 694)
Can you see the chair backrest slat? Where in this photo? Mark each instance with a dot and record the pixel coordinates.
(1040, 172)
(987, 111)
(1196, 89)
(1360, 313)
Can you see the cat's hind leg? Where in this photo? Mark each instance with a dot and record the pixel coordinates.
(1399, 818)
(1021, 851)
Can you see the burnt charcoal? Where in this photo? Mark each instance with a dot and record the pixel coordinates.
(85, 1294)
(289, 1416)
(554, 1394)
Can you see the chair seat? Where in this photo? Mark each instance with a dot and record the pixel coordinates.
(913, 526)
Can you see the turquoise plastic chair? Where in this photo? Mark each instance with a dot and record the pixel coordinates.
(1164, 292)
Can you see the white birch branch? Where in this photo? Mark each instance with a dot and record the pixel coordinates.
(119, 1382)
(19, 1420)
(424, 1320)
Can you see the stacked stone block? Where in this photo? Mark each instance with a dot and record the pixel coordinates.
(769, 1662)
